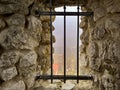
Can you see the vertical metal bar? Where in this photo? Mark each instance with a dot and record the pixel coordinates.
(51, 40)
(64, 42)
(78, 43)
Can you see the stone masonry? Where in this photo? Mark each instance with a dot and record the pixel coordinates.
(25, 43)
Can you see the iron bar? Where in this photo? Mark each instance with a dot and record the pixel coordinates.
(65, 13)
(78, 42)
(51, 40)
(68, 77)
(64, 42)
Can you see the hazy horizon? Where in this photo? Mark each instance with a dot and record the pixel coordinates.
(71, 29)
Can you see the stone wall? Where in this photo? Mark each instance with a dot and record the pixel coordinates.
(24, 43)
(100, 50)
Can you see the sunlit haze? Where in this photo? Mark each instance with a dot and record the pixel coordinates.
(71, 38)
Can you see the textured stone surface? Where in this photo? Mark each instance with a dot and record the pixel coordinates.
(16, 19)
(9, 58)
(8, 74)
(2, 24)
(28, 59)
(15, 37)
(25, 39)
(13, 85)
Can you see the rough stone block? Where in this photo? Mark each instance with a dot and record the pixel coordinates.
(16, 19)
(14, 85)
(28, 59)
(28, 74)
(9, 73)
(15, 37)
(9, 58)
(43, 50)
(46, 38)
(34, 27)
(2, 24)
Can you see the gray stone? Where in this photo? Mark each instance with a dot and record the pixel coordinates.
(8, 9)
(9, 58)
(28, 74)
(2, 24)
(99, 31)
(16, 19)
(43, 50)
(8, 74)
(28, 59)
(108, 81)
(46, 38)
(85, 37)
(98, 13)
(12, 8)
(83, 60)
(15, 37)
(92, 49)
(95, 64)
(14, 85)
(34, 28)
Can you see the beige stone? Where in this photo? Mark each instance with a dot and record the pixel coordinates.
(14, 85)
(8, 74)
(28, 59)
(92, 49)
(2, 24)
(46, 38)
(43, 50)
(16, 19)
(15, 37)
(28, 74)
(9, 58)
(34, 27)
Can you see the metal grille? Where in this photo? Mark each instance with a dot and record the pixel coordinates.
(64, 13)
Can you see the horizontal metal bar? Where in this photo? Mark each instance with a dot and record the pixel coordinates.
(68, 77)
(65, 13)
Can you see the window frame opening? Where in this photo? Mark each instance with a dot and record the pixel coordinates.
(64, 77)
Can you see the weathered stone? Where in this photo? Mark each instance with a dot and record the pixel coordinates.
(8, 74)
(45, 64)
(117, 85)
(12, 8)
(28, 59)
(95, 64)
(99, 31)
(2, 24)
(16, 19)
(15, 37)
(10, 1)
(34, 27)
(92, 50)
(28, 74)
(112, 26)
(46, 27)
(14, 85)
(113, 6)
(46, 38)
(85, 37)
(83, 60)
(82, 48)
(8, 9)
(98, 13)
(108, 81)
(28, 2)
(9, 58)
(43, 51)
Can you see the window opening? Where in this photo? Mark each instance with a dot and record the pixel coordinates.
(65, 14)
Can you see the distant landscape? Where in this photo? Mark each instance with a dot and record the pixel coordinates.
(71, 38)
